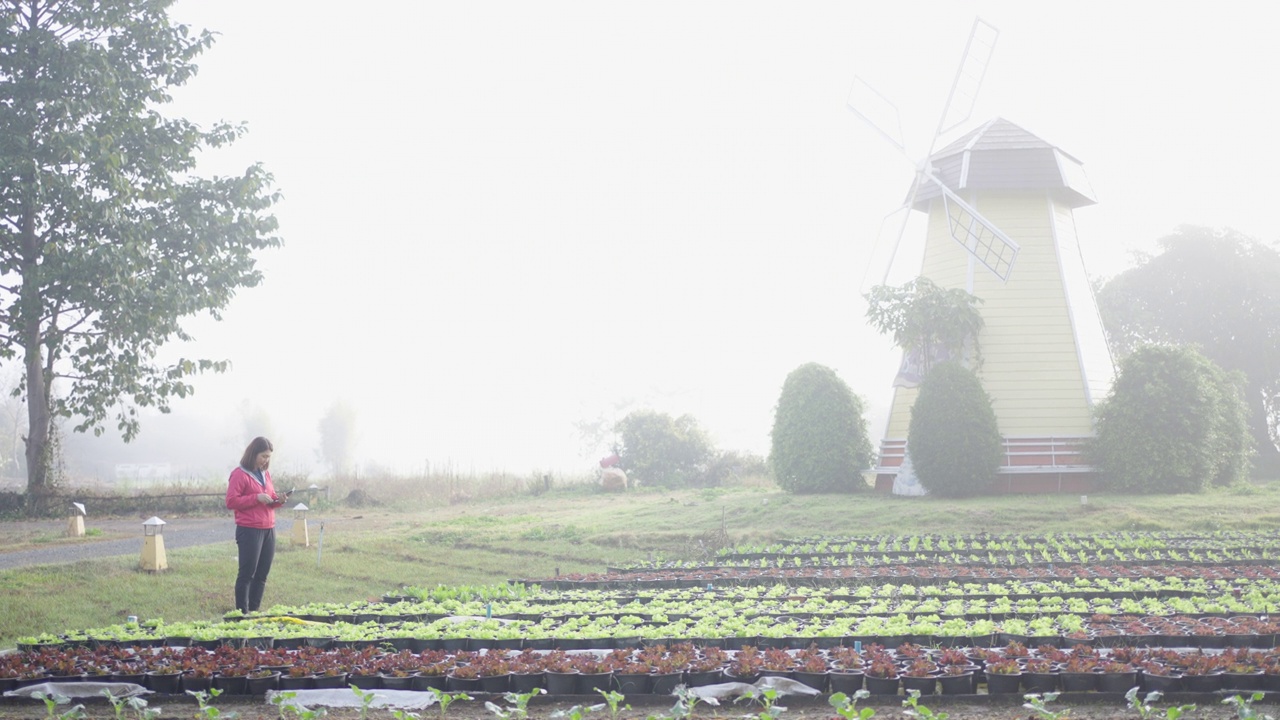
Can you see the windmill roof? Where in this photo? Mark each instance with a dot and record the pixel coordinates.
(1000, 155)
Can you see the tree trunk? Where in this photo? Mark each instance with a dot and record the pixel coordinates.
(31, 310)
(37, 424)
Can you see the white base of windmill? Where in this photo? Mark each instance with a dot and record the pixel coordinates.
(75, 526)
(906, 483)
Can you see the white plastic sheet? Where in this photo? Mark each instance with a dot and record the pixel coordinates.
(75, 690)
(346, 698)
(725, 691)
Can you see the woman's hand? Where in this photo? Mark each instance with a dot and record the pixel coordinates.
(264, 498)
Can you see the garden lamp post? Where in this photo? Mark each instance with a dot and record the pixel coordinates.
(300, 535)
(153, 556)
(75, 523)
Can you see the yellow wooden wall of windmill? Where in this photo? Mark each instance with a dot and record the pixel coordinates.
(1033, 367)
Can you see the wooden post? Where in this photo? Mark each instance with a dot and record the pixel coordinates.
(301, 536)
(154, 558)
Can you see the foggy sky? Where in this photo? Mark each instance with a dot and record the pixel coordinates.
(504, 217)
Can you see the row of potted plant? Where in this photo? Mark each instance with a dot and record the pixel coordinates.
(531, 596)
(981, 557)
(1027, 557)
(605, 631)
(885, 598)
(1145, 596)
(658, 669)
(1257, 601)
(1007, 542)
(839, 575)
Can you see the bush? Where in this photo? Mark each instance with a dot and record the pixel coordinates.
(657, 449)
(819, 435)
(953, 439)
(1174, 422)
(730, 466)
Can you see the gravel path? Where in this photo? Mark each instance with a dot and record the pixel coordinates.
(123, 537)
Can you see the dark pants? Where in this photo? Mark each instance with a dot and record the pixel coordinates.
(257, 548)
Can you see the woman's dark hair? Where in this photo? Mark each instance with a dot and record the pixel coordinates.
(259, 444)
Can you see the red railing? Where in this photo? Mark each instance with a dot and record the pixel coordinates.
(1022, 455)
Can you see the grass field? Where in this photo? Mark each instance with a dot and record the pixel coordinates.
(423, 541)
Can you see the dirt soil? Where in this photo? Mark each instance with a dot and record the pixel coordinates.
(1091, 707)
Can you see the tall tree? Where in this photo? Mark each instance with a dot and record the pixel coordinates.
(107, 237)
(660, 450)
(338, 437)
(1218, 290)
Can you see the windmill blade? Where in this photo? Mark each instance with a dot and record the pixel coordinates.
(876, 111)
(984, 241)
(897, 218)
(882, 115)
(968, 80)
(884, 252)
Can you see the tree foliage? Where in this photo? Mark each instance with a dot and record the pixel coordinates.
(338, 437)
(819, 438)
(953, 438)
(107, 236)
(1215, 290)
(657, 449)
(926, 320)
(1174, 422)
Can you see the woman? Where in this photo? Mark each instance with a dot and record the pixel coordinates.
(253, 497)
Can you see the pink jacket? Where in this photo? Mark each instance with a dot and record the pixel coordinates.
(242, 496)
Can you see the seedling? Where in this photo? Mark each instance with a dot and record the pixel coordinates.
(614, 699)
(281, 701)
(846, 706)
(118, 705)
(366, 700)
(207, 710)
(1036, 704)
(1244, 708)
(766, 698)
(518, 705)
(577, 712)
(686, 701)
(1146, 712)
(139, 707)
(405, 715)
(51, 703)
(446, 699)
(916, 710)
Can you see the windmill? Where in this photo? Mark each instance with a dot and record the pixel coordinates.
(999, 203)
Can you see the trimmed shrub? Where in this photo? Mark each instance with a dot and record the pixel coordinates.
(1174, 422)
(1233, 442)
(659, 450)
(819, 435)
(953, 439)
